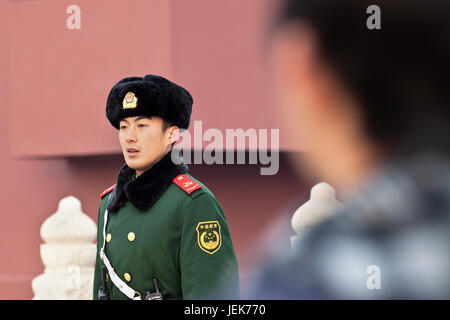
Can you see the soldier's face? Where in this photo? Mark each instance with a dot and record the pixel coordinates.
(144, 142)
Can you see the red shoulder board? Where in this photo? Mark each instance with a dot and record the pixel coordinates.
(104, 193)
(186, 183)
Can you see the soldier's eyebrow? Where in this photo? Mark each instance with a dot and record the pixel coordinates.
(135, 120)
(140, 118)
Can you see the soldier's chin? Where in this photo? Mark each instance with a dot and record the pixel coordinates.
(133, 164)
(138, 167)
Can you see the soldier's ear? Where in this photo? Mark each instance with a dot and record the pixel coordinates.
(174, 134)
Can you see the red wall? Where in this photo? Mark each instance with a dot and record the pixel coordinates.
(56, 141)
(60, 73)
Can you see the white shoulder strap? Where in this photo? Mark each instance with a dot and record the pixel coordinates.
(119, 283)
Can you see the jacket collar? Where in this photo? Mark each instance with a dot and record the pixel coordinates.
(146, 189)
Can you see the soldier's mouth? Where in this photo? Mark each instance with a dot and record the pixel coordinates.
(132, 151)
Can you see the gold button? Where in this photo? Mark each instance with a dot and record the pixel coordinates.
(108, 237)
(107, 277)
(131, 236)
(127, 276)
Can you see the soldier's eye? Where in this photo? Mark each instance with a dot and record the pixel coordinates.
(123, 127)
(141, 125)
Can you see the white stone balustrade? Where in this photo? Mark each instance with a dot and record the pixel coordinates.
(68, 254)
(321, 205)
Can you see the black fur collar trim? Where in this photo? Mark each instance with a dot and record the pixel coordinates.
(146, 189)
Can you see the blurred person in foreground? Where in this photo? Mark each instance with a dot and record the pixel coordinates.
(371, 106)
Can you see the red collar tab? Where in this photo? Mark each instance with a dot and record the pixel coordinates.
(104, 193)
(186, 183)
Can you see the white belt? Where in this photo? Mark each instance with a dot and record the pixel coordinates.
(119, 283)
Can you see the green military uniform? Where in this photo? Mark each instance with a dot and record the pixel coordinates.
(182, 240)
(165, 225)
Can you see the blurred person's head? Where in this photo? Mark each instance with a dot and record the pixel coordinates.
(356, 97)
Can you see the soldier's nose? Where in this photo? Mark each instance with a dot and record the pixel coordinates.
(131, 139)
(131, 136)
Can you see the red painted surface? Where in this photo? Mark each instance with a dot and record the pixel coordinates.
(218, 52)
(57, 74)
(56, 141)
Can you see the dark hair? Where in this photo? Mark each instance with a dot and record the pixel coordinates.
(398, 74)
(166, 125)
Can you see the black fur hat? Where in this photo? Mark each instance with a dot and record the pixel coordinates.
(149, 96)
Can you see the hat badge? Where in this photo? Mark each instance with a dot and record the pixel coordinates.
(129, 101)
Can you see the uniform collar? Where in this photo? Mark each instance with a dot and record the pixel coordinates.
(146, 189)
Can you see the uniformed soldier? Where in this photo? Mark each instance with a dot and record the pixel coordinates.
(161, 232)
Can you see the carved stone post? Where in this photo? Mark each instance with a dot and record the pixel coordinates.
(321, 205)
(68, 254)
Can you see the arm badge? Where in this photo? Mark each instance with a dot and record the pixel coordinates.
(209, 237)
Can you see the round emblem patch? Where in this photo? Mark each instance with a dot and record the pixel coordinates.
(209, 237)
